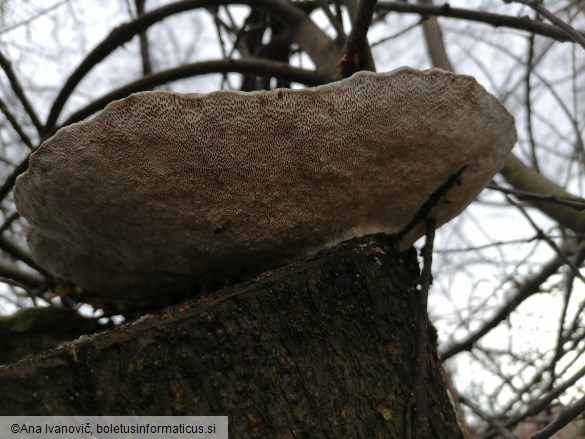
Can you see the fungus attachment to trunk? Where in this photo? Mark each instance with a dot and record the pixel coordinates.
(163, 193)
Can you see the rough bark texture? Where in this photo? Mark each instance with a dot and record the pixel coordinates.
(323, 348)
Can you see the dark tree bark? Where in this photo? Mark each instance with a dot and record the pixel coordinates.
(322, 348)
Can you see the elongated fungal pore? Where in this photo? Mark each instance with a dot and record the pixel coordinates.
(163, 192)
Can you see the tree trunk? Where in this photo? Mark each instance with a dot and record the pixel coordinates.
(322, 348)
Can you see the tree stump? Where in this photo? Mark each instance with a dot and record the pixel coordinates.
(321, 348)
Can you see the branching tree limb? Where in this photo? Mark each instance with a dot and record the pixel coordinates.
(356, 55)
(524, 178)
(11, 271)
(497, 20)
(434, 41)
(561, 420)
(15, 124)
(19, 91)
(543, 403)
(538, 6)
(574, 203)
(18, 252)
(144, 46)
(525, 290)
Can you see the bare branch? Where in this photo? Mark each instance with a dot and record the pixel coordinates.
(11, 179)
(528, 101)
(544, 401)
(548, 240)
(334, 20)
(18, 252)
(144, 49)
(561, 420)
(434, 42)
(523, 291)
(8, 222)
(29, 20)
(496, 425)
(10, 271)
(421, 415)
(19, 91)
(575, 203)
(524, 178)
(15, 125)
(355, 55)
(496, 20)
(538, 6)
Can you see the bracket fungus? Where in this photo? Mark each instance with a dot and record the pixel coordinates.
(164, 192)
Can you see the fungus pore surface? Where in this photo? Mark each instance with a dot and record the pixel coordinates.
(163, 193)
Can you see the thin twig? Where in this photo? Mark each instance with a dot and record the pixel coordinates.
(544, 401)
(8, 222)
(219, 24)
(475, 248)
(523, 291)
(11, 179)
(528, 101)
(565, 27)
(18, 253)
(548, 240)
(339, 13)
(11, 271)
(15, 125)
(397, 34)
(420, 426)
(561, 420)
(496, 20)
(496, 425)
(29, 20)
(19, 91)
(560, 348)
(575, 203)
(335, 21)
(30, 292)
(144, 49)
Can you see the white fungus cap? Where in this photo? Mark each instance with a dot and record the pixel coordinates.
(163, 192)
